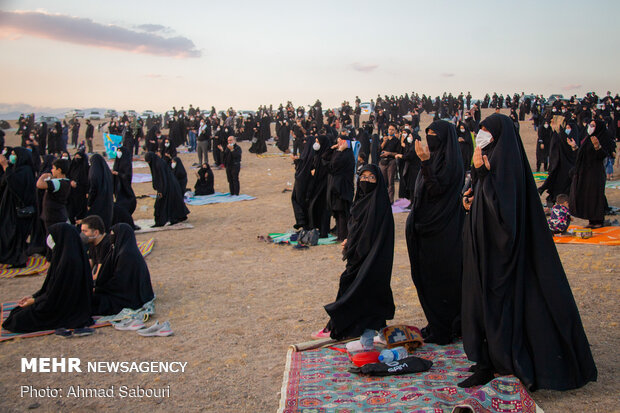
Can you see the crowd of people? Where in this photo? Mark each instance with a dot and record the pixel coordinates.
(467, 183)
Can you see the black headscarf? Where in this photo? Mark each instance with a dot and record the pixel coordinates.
(519, 315)
(467, 147)
(100, 190)
(364, 297)
(124, 280)
(78, 173)
(204, 183)
(169, 206)
(125, 197)
(64, 300)
(435, 224)
(180, 173)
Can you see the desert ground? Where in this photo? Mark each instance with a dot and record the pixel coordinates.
(235, 305)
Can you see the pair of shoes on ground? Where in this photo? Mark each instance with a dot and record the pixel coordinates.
(78, 332)
(156, 330)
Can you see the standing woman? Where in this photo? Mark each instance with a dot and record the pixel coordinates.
(364, 301)
(78, 174)
(561, 159)
(178, 169)
(435, 224)
(519, 316)
(100, 190)
(17, 186)
(587, 193)
(466, 144)
(318, 213)
(303, 176)
(542, 145)
(122, 172)
(169, 204)
(341, 165)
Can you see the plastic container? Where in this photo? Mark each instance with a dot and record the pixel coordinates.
(360, 359)
(392, 354)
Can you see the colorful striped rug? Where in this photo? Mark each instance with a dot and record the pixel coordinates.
(319, 381)
(540, 176)
(7, 335)
(38, 265)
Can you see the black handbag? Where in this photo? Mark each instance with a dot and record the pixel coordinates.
(25, 212)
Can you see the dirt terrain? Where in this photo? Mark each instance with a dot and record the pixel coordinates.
(235, 304)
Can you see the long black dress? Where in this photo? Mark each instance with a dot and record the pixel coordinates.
(124, 280)
(284, 137)
(587, 193)
(364, 299)
(123, 192)
(204, 183)
(169, 205)
(264, 134)
(38, 233)
(100, 190)
(78, 172)
(519, 316)
(467, 145)
(542, 146)
(299, 197)
(341, 165)
(17, 188)
(64, 300)
(435, 223)
(561, 162)
(318, 213)
(180, 173)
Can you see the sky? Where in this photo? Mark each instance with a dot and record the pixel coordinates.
(155, 54)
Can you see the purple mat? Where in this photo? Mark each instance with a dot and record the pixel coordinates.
(399, 205)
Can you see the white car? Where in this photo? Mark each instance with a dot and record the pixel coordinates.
(144, 115)
(74, 113)
(94, 115)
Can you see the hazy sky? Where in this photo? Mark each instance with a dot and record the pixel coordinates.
(154, 54)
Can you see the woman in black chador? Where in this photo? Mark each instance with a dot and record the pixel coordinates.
(303, 176)
(587, 192)
(64, 300)
(561, 159)
(318, 213)
(264, 134)
(169, 205)
(466, 144)
(78, 173)
(435, 224)
(364, 301)
(519, 316)
(17, 189)
(341, 164)
(204, 183)
(100, 190)
(542, 146)
(124, 280)
(123, 173)
(178, 169)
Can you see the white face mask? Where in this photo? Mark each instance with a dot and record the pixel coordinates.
(316, 146)
(546, 125)
(590, 130)
(119, 154)
(462, 130)
(410, 139)
(166, 144)
(173, 164)
(567, 131)
(483, 138)
(50, 242)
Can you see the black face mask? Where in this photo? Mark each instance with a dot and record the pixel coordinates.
(433, 142)
(367, 187)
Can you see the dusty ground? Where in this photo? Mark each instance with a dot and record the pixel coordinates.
(235, 305)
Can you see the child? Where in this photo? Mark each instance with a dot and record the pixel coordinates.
(362, 160)
(560, 215)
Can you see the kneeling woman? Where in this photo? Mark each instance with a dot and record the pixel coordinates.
(124, 280)
(64, 300)
(364, 301)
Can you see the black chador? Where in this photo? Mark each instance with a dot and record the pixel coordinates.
(169, 204)
(100, 190)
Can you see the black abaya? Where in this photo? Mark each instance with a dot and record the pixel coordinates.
(180, 173)
(100, 190)
(435, 224)
(204, 183)
(78, 173)
(124, 280)
(64, 300)
(299, 197)
(364, 299)
(561, 162)
(123, 192)
(169, 205)
(519, 316)
(318, 213)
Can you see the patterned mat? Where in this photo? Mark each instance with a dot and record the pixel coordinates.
(7, 335)
(145, 225)
(139, 178)
(400, 205)
(285, 238)
(600, 236)
(540, 176)
(612, 184)
(318, 381)
(38, 265)
(217, 198)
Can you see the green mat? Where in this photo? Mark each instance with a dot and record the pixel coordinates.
(285, 238)
(540, 176)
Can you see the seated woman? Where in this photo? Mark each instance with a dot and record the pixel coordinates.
(364, 301)
(204, 184)
(124, 280)
(64, 300)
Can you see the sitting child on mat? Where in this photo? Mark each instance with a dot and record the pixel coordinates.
(560, 215)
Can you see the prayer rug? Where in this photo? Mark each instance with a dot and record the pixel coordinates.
(217, 198)
(273, 155)
(318, 380)
(38, 265)
(400, 205)
(612, 184)
(285, 238)
(600, 236)
(134, 164)
(145, 225)
(540, 176)
(7, 335)
(34, 265)
(140, 178)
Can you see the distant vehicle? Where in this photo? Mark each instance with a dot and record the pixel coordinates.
(553, 98)
(48, 119)
(367, 108)
(146, 114)
(75, 113)
(246, 113)
(111, 113)
(94, 115)
(132, 113)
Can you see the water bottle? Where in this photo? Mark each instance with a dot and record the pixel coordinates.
(396, 353)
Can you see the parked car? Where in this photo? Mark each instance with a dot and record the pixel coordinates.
(111, 113)
(74, 113)
(146, 114)
(48, 119)
(94, 115)
(132, 113)
(553, 98)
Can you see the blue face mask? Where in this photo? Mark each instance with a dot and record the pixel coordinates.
(12, 159)
(567, 131)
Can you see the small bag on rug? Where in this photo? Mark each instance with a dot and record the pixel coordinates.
(403, 335)
(407, 365)
(308, 237)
